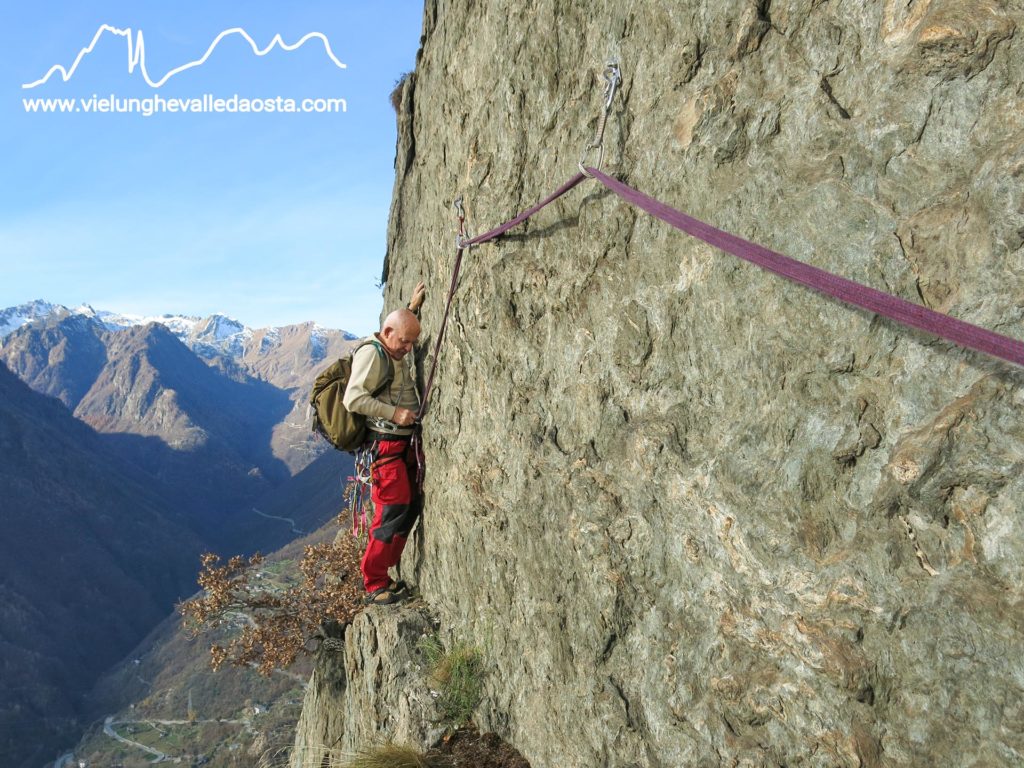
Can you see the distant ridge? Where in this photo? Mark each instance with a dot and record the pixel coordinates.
(127, 446)
(61, 352)
(217, 334)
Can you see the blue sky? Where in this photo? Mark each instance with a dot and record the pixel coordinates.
(269, 218)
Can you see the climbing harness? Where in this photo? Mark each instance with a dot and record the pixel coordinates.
(612, 80)
(360, 484)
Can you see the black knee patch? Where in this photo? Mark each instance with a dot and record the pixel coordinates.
(396, 519)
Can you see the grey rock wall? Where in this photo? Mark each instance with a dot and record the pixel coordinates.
(369, 686)
(693, 514)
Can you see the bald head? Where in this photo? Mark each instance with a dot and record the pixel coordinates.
(399, 332)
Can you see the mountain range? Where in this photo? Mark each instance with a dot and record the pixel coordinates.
(90, 559)
(127, 447)
(61, 352)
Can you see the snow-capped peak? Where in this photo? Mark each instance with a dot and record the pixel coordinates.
(219, 328)
(85, 310)
(218, 334)
(12, 318)
(178, 324)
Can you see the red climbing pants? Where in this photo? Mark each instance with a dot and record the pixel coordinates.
(396, 505)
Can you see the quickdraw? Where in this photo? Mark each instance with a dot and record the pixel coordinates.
(358, 488)
(462, 238)
(612, 80)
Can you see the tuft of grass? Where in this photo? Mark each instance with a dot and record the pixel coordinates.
(459, 675)
(393, 756)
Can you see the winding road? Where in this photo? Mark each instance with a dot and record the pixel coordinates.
(108, 729)
(158, 756)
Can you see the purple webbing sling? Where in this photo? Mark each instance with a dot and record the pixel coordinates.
(879, 302)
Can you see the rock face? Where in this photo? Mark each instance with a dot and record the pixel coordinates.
(695, 515)
(380, 673)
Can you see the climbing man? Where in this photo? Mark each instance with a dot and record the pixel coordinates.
(390, 421)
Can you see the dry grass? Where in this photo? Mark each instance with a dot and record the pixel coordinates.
(459, 675)
(392, 756)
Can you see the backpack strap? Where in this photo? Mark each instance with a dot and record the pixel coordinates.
(383, 354)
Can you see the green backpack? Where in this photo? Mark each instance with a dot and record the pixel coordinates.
(344, 430)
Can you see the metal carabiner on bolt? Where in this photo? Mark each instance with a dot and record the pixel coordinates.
(612, 80)
(460, 237)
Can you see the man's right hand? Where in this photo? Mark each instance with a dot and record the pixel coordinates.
(418, 295)
(404, 417)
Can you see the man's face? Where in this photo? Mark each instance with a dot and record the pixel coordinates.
(400, 341)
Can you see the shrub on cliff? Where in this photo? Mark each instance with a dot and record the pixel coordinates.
(278, 622)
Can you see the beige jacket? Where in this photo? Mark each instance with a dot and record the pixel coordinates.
(369, 369)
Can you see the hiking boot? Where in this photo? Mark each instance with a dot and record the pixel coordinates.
(382, 596)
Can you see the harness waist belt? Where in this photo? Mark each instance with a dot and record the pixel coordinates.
(374, 435)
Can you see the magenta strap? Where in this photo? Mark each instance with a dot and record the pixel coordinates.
(502, 229)
(879, 302)
(851, 292)
(490, 235)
